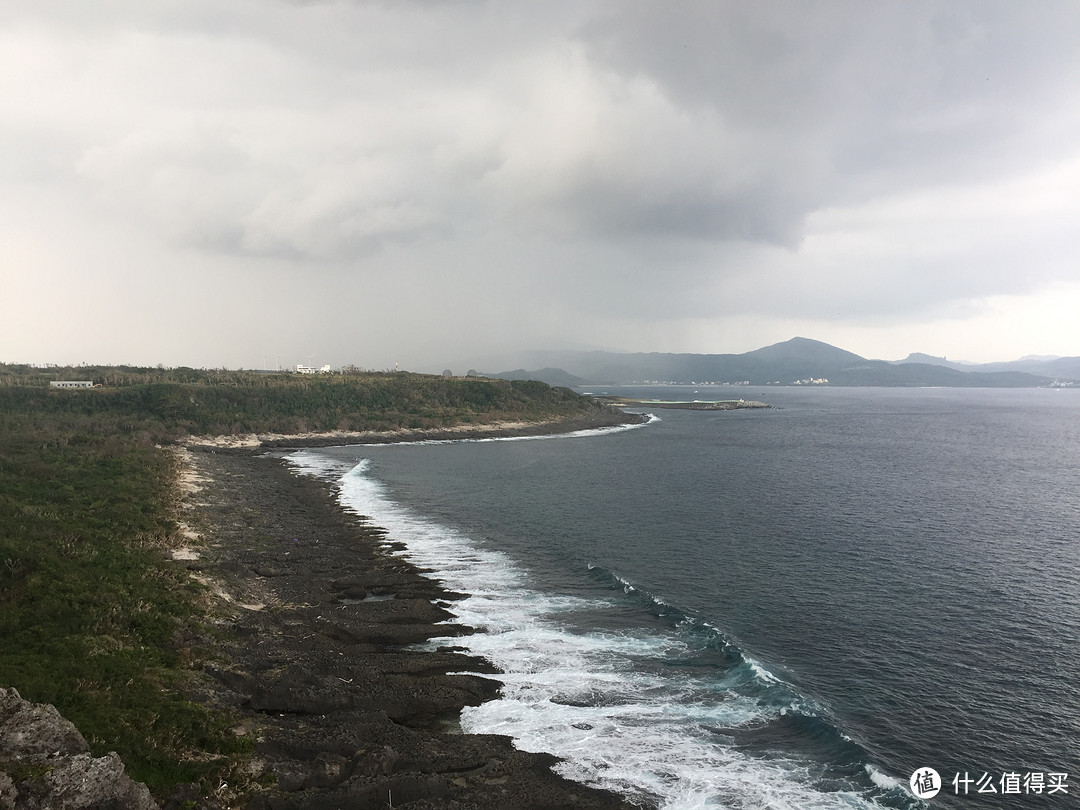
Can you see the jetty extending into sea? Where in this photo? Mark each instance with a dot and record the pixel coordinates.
(695, 405)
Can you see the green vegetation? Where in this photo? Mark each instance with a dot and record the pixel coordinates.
(163, 405)
(92, 614)
(90, 611)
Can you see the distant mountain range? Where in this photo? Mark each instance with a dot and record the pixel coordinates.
(799, 361)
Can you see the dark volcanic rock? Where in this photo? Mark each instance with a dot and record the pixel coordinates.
(316, 623)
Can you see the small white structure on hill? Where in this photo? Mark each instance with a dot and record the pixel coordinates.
(71, 384)
(302, 369)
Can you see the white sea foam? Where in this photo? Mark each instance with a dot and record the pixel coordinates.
(882, 780)
(760, 671)
(600, 701)
(574, 434)
(311, 462)
(318, 465)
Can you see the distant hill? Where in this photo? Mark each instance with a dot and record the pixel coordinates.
(552, 376)
(1056, 368)
(796, 361)
(930, 360)
(805, 350)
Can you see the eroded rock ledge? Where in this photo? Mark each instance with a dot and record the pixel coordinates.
(310, 625)
(45, 764)
(314, 622)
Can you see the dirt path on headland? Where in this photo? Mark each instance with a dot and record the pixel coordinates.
(313, 620)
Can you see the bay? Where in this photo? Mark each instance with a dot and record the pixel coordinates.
(796, 607)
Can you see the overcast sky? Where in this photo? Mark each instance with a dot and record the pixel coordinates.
(256, 183)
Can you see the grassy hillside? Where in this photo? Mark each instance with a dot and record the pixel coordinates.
(92, 614)
(162, 405)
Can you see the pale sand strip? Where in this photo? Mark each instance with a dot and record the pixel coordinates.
(253, 440)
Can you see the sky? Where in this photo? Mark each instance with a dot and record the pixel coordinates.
(261, 183)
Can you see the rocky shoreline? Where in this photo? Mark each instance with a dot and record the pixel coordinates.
(696, 405)
(610, 417)
(314, 618)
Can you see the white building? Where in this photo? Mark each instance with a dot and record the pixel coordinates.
(302, 369)
(71, 384)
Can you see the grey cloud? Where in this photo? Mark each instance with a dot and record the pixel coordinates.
(589, 164)
(886, 95)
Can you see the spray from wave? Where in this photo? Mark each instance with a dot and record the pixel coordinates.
(631, 693)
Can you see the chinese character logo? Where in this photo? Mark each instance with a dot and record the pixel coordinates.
(925, 783)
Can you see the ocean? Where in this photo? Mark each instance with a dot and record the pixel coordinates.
(798, 607)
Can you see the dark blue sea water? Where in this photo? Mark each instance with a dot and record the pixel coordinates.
(791, 608)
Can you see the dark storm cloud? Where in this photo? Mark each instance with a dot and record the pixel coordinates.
(633, 172)
(857, 99)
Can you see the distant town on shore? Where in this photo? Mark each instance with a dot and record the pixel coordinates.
(799, 361)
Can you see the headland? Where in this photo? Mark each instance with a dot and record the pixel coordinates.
(175, 591)
(315, 623)
(695, 405)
